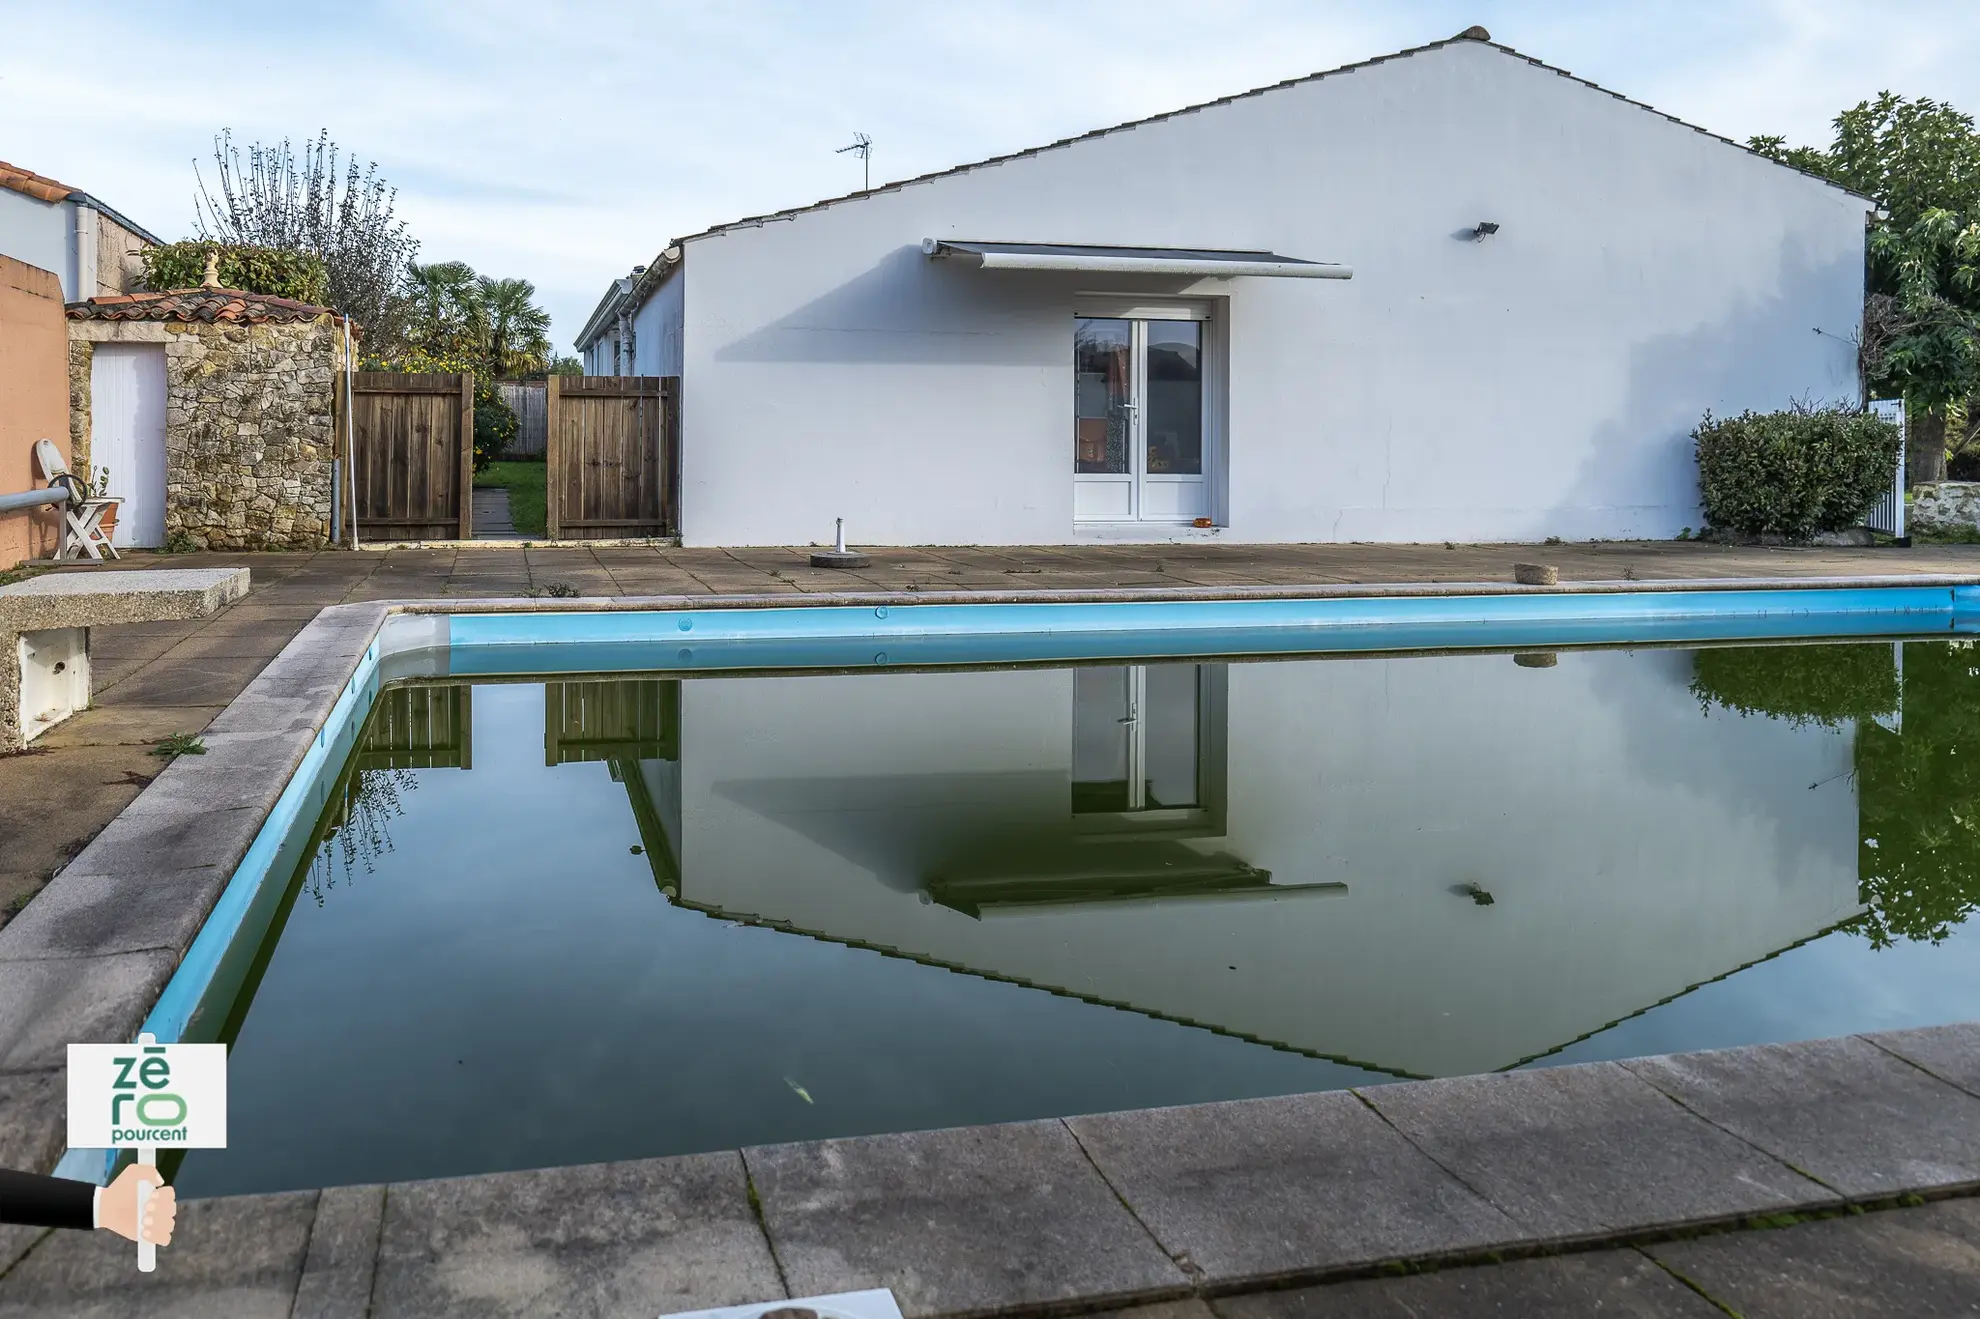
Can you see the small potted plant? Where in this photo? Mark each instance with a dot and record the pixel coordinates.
(100, 489)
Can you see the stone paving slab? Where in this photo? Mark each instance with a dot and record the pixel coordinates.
(1907, 1264)
(45, 1005)
(631, 1240)
(1572, 1153)
(1951, 1053)
(234, 1258)
(1620, 1283)
(1263, 1189)
(964, 1221)
(343, 1254)
(1842, 1111)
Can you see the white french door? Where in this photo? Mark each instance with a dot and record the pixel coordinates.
(127, 436)
(1138, 419)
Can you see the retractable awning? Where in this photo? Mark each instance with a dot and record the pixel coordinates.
(1214, 262)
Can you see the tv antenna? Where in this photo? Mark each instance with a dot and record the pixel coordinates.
(864, 145)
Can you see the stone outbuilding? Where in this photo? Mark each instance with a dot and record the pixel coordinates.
(214, 412)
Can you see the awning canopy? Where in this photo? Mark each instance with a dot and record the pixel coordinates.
(1214, 262)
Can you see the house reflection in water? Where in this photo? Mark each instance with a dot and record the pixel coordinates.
(1426, 866)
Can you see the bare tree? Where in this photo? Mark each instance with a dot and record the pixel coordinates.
(285, 198)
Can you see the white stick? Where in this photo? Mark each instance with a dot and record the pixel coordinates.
(147, 1253)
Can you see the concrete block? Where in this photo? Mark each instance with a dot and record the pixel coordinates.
(1612, 1282)
(232, 1258)
(343, 1252)
(1951, 1053)
(82, 915)
(142, 839)
(1905, 1263)
(46, 1006)
(1272, 1188)
(1843, 1111)
(623, 1239)
(1578, 1152)
(33, 1120)
(970, 1220)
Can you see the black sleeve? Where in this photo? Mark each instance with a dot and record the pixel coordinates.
(34, 1201)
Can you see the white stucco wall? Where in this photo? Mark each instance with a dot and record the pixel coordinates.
(1541, 382)
(657, 329)
(40, 234)
(1634, 848)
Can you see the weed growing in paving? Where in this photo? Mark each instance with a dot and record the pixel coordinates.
(179, 744)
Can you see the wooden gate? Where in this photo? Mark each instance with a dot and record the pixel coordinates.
(613, 451)
(414, 460)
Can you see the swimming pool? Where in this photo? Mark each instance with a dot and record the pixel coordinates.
(660, 903)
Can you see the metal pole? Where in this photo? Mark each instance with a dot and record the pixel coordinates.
(350, 422)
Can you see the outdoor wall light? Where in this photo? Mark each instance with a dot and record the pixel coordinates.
(1484, 230)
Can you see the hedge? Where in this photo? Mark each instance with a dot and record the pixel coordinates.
(1793, 473)
(271, 271)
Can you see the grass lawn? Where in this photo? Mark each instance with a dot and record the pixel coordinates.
(524, 482)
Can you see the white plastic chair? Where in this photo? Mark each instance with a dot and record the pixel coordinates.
(83, 535)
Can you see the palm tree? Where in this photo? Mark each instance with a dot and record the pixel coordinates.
(445, 316)
(518, 330)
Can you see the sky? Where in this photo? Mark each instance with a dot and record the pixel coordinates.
(565, 142)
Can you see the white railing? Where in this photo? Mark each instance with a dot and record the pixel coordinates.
(1887, 514)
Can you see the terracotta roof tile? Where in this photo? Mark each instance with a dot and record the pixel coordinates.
(34, 185)
(211, 306)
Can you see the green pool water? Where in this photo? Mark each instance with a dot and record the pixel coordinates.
(609, 918)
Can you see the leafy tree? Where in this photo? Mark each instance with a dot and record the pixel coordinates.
(1918, 800)
(295, 200)
(566, 366)
(1920, 160)
(518, 330)
(275, 272)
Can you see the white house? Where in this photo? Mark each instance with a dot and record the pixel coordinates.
(85, 244)
(1452, 293)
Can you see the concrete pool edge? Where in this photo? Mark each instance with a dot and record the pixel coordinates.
(125, 914)
(1062, 1216)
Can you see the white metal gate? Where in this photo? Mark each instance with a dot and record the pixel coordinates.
(127, 435)
(1887, 514)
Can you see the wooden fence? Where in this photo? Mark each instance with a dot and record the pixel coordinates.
(613, 452)
(612, 719)
(526, 399)
(420, 727)
(414, 459)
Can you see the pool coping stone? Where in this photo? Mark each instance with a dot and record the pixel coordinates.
(1179, 1226)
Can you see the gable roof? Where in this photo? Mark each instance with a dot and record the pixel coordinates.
(44, 189)
(662, 265)
(209, 306)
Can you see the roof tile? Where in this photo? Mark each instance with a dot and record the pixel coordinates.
(208, 306)
(37, 186)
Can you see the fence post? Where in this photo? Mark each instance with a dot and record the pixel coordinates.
(670, 418)
(553, 459)
(467, 455)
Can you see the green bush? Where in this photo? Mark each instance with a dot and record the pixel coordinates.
(495, 424)
(1794, 473)
(274, 272)
(1800, 684)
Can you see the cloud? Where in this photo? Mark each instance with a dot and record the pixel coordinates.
(566, 143)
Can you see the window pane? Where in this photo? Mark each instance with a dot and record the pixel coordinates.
(1100, 739)
(1175, 398)
(1169, 722)
(1100, 396)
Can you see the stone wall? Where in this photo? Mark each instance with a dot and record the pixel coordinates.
(1944, 507)
(249, 427)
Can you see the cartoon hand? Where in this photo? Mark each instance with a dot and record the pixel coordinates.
(118, 1210)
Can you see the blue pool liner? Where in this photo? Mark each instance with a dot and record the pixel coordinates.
(848, 636)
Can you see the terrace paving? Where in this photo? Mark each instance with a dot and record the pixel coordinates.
(1248, 1210)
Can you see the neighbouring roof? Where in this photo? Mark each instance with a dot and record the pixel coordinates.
(209, 306)
(44, 189)
(644, 283)
(38, 186)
